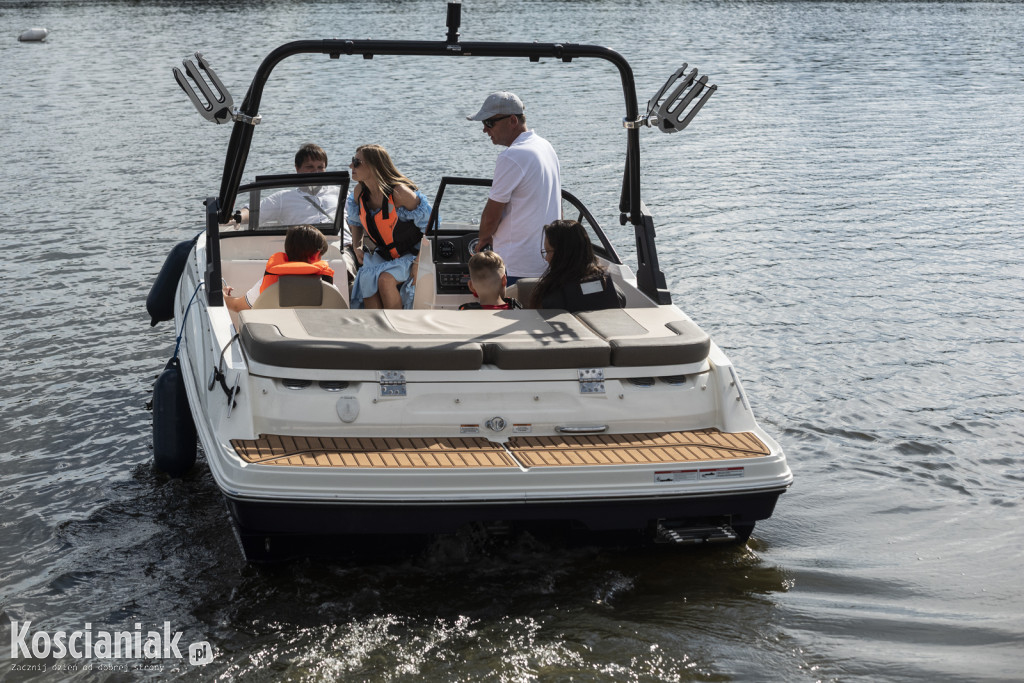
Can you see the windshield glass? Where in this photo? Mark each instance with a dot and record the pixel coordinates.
(572, 209)
(462, 201)
(274, 208)
(461, 206)
(275, 203)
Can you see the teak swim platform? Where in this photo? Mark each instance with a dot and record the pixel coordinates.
(682, 448)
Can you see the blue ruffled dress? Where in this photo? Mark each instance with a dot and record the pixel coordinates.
(365, 284)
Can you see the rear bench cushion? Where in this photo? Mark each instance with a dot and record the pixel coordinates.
(649, 336)
(420, 339)
(347, 340)
(515, 339)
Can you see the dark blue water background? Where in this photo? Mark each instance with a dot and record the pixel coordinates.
(844, 218)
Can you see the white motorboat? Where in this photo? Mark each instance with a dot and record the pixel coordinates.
(319, 421)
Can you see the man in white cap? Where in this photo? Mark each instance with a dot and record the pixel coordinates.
(526, 193)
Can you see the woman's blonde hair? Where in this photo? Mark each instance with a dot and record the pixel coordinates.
(384, 172)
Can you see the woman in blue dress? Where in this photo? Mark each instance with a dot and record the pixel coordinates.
(388, 210)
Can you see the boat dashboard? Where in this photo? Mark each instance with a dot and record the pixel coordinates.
(451, 249)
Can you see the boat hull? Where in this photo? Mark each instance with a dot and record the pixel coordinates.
(384, 425)
(278, 530)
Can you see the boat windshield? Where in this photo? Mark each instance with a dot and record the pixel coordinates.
(460, 201)
(274, 203)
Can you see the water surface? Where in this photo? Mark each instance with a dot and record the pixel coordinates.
(843, 218)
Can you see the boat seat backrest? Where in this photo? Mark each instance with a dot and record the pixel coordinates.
(243, 274)
(522, 290)
(300, 291)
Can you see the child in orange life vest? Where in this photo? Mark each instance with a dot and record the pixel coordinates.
(487, 282)
(304, 247)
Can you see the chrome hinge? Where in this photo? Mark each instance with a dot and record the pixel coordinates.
(392, 382)
(591, 380)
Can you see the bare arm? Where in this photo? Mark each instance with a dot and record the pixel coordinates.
(489, 223)
(357, 241)
(356, 228)
(405, 197)
(235, 303)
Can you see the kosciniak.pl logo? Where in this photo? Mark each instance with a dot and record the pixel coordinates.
(101, 644)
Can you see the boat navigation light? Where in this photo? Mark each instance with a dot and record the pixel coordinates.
(453, 21)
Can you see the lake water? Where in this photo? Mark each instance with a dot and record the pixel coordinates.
(843, 217)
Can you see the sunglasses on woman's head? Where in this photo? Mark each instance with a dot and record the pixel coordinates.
(356, 163)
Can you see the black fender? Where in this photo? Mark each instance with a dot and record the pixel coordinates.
(174, 431)
(160, 301)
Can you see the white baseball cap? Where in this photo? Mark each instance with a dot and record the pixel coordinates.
(499, 104)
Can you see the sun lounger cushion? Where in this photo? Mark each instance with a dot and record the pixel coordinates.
(649, 336)
(347, 340)
(420, 339)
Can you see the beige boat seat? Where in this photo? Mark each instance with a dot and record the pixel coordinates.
(649, 336)
(522, 290)
(421, 339)
(300, 291)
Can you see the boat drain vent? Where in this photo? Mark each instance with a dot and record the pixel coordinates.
(693, 535)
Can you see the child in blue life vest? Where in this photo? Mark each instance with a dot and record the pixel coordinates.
(487, 282)
(304, 247)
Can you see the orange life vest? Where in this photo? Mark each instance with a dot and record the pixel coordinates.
(278, 265)
(393, 237)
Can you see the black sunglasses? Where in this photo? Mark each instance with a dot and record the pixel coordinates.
(489, 123)
(356, 163)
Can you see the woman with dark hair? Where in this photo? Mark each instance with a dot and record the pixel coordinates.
(574, 280)
(388, 209)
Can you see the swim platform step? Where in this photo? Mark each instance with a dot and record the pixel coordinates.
(526, 451)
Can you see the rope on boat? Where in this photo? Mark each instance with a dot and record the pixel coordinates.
(219, 376)
(184, 319)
